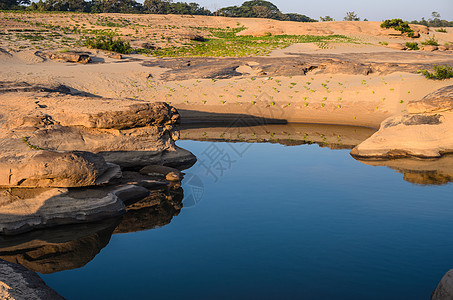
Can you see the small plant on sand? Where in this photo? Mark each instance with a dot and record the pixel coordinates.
(398, 24)
(383, 43)
(105, 42)
(430, 41)
(440, 72)
(412, 45)
(441, 30)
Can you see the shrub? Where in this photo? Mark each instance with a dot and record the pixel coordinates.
(412, 45)
(440, 72)
(441, 30)
(398, 24)
(431, 41)
(108, 43)
(383, 43)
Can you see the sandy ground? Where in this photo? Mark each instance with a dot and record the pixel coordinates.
(333, 96)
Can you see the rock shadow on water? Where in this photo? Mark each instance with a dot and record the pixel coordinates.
(438, 171)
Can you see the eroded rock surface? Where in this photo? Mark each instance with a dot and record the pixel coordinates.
(22, 210)
(444, 290)
(18, 283)
(425, 132)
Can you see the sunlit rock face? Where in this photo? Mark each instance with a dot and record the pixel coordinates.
(425, 131)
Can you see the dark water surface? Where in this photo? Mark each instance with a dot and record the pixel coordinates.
(267, 221)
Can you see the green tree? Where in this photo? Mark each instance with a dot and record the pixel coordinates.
(351, 16)
(326, 19)
(13, 4)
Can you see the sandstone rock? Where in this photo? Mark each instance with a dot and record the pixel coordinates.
(429, 48)
(416, 35)
(39, 168)
(169, 173)
(22, 210)
(440, 100)
(116, 56)
(420, 135)
(449, 47)
(18, 283)
(75, 57)
(196, 37)
(130, 193)
(442, 48)
(58, 248)
(397, 46)
(444, 290)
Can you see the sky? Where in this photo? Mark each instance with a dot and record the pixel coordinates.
(373, 10)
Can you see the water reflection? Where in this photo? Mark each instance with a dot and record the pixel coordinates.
(420, 171)
(73, 246)
(332, 136)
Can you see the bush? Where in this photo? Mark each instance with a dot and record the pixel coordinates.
(440, 72)
(441, 30)
(412, 45)
(431, 41)
(398, 24)
(108, 43)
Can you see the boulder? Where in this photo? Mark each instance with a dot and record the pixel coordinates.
(437, 101)
(419, 135)
(396, 46)
(444, 290)
(23, 210)
(75, 57)
(18, 283)
(41, 168)
(415, 35)
(442, 48)
(169, 173)
(429, 48)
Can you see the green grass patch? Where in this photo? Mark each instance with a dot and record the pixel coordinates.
(412, 46)
(430, 41)
(441, 72)
(225, 43)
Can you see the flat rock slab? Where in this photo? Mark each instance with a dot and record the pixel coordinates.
(440, 100)
(421, 135)
(22, 210)
(18, 283)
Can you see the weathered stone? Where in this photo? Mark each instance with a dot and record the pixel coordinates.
(444, 290)
(130, 193)
(427, 135)
(38, 168)
(163, 170)
(440, 100)
(442, 48)
(415, 35)
(429, 48)
(18, 283)
(22, 210)
(75, 57)
(397, 46)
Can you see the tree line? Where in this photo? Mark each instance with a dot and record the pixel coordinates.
(249, 9)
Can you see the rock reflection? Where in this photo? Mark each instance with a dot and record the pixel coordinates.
(156, 210)
(332, 136)
(73, 246)
(59, 248)
(420, 171)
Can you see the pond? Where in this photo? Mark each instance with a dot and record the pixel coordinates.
(276, 217)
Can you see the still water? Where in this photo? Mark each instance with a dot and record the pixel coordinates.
(270, 221)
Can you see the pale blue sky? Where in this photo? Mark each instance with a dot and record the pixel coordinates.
(375, 10)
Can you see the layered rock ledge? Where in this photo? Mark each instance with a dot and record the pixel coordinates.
(425, 131)
(62, 156)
